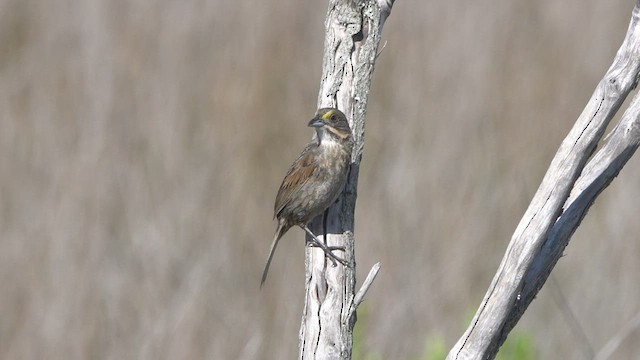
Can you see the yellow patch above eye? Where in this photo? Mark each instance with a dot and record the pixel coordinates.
(327, 115)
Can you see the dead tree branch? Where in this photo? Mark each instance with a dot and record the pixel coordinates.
(565, 195)
(352, 35)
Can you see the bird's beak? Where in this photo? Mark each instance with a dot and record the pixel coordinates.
(316, 122)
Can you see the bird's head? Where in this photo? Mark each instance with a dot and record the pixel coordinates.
(331, 122)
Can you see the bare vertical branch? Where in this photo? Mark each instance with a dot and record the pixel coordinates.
(561, 202)
(352, 35)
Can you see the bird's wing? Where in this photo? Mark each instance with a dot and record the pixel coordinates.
(296, 177)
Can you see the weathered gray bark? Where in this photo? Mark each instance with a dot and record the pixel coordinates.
(353, 30)
(561, 202)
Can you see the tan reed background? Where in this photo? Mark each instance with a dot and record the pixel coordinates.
(142, 143)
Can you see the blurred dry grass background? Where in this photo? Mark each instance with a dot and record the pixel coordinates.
(142, 143)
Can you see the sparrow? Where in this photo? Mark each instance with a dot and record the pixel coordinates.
(314, 180)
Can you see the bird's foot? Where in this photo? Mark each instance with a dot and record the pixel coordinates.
(328, 250)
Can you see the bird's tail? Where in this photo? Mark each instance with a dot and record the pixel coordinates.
(282, 228)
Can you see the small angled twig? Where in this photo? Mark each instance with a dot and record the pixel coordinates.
(357, 299)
